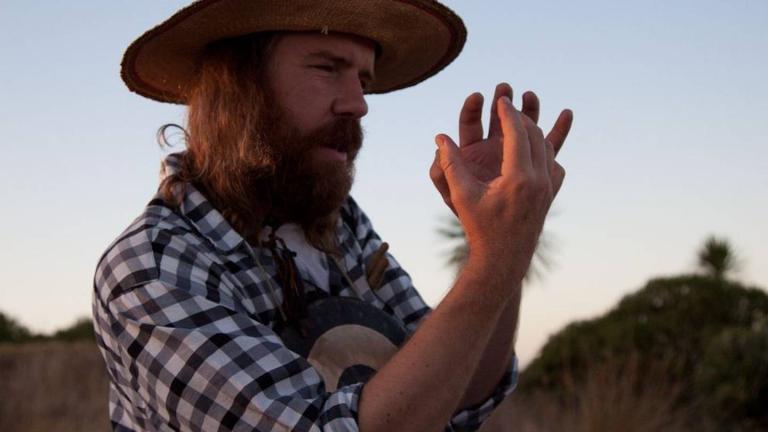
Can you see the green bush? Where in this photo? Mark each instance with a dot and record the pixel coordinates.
(710, 331)
(733, 374)
(12, 331)
(82, 329)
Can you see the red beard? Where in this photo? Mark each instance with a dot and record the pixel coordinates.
(307, 188)
(299, 186)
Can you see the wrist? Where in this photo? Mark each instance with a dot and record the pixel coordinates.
(497, 276)
(503, 267)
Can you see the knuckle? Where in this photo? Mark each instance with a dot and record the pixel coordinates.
(541, 187)
(550, 148)
(529, 123)
(560, 170)
(446, 164)
(435, 173)
(530, 187)
(522, 185)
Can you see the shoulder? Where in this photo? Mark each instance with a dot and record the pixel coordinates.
(357, 221)
(136, 257)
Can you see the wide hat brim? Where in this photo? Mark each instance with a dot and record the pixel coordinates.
(416, 38)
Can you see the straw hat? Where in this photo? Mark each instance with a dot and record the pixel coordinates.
(417, 38)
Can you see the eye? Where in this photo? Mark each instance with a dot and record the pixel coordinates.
(324, 67)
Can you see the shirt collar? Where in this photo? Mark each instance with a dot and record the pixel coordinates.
(201, 213)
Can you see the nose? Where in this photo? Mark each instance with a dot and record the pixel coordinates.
(350, 100)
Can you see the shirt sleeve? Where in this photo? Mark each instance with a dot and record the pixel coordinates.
(199, 365)
(471, 418)
(398, 292)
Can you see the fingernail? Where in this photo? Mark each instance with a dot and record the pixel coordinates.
(438, 140)
(507, 100)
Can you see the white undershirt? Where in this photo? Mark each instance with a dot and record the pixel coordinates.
(310, 260)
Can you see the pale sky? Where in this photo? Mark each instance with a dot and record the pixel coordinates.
(668, 146)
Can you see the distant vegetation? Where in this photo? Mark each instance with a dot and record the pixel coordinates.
(704, 338)
(11, 331)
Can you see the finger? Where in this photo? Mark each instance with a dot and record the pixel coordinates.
(377, 256)
(451, 162)
(503, 89)
(517, 150)
(560, 130)
(556, 177)
(550, 157)
(441, 184)
(470, 120)
(538, 147)
(378, 274)
(375, 280)
(531, 106)
(378, 264)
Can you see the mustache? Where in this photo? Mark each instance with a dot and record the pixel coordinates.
(343, 134)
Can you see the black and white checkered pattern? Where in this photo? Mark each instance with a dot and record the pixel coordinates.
(185, 322)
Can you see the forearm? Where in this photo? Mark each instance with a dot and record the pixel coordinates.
(497, 355)
(423, 384)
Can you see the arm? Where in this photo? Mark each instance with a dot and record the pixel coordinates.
(496, 356)
(483, 158)
(421, 385)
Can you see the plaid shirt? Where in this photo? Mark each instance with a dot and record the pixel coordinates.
(185, 321)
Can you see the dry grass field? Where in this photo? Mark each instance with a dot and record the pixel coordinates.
(52, 386)
(62, 386)
(612, 398)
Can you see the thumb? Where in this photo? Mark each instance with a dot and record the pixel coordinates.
(451, 161)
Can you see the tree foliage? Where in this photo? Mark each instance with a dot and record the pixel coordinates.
(458, 253)
(82, 329)
(712, 333)
(12, 331)
(716, 258)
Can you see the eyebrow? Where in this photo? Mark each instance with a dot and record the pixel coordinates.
(367, 74)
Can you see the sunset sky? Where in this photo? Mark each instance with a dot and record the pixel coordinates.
(668, 145)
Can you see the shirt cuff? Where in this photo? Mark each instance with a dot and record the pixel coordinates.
(471, 418)
(340, 411)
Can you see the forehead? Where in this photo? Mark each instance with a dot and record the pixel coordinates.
(353, 49)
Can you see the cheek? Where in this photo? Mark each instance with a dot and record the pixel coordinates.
(307, 108)
(306, 99)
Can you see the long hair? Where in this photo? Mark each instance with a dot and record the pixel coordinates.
(232, 117)
(227, 107)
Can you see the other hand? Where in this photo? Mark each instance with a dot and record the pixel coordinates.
(483, 155)
(502, 201)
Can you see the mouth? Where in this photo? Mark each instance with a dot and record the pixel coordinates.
(329, 153)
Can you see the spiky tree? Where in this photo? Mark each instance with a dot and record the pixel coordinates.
(716, 258)
(454, 234)
(459, 251)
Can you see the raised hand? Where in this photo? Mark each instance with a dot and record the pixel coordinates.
(483, 156)
(502, 202)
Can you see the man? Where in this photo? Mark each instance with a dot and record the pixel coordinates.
(252, 293)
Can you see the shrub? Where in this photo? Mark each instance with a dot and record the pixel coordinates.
(712, 330)
(12, 331)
